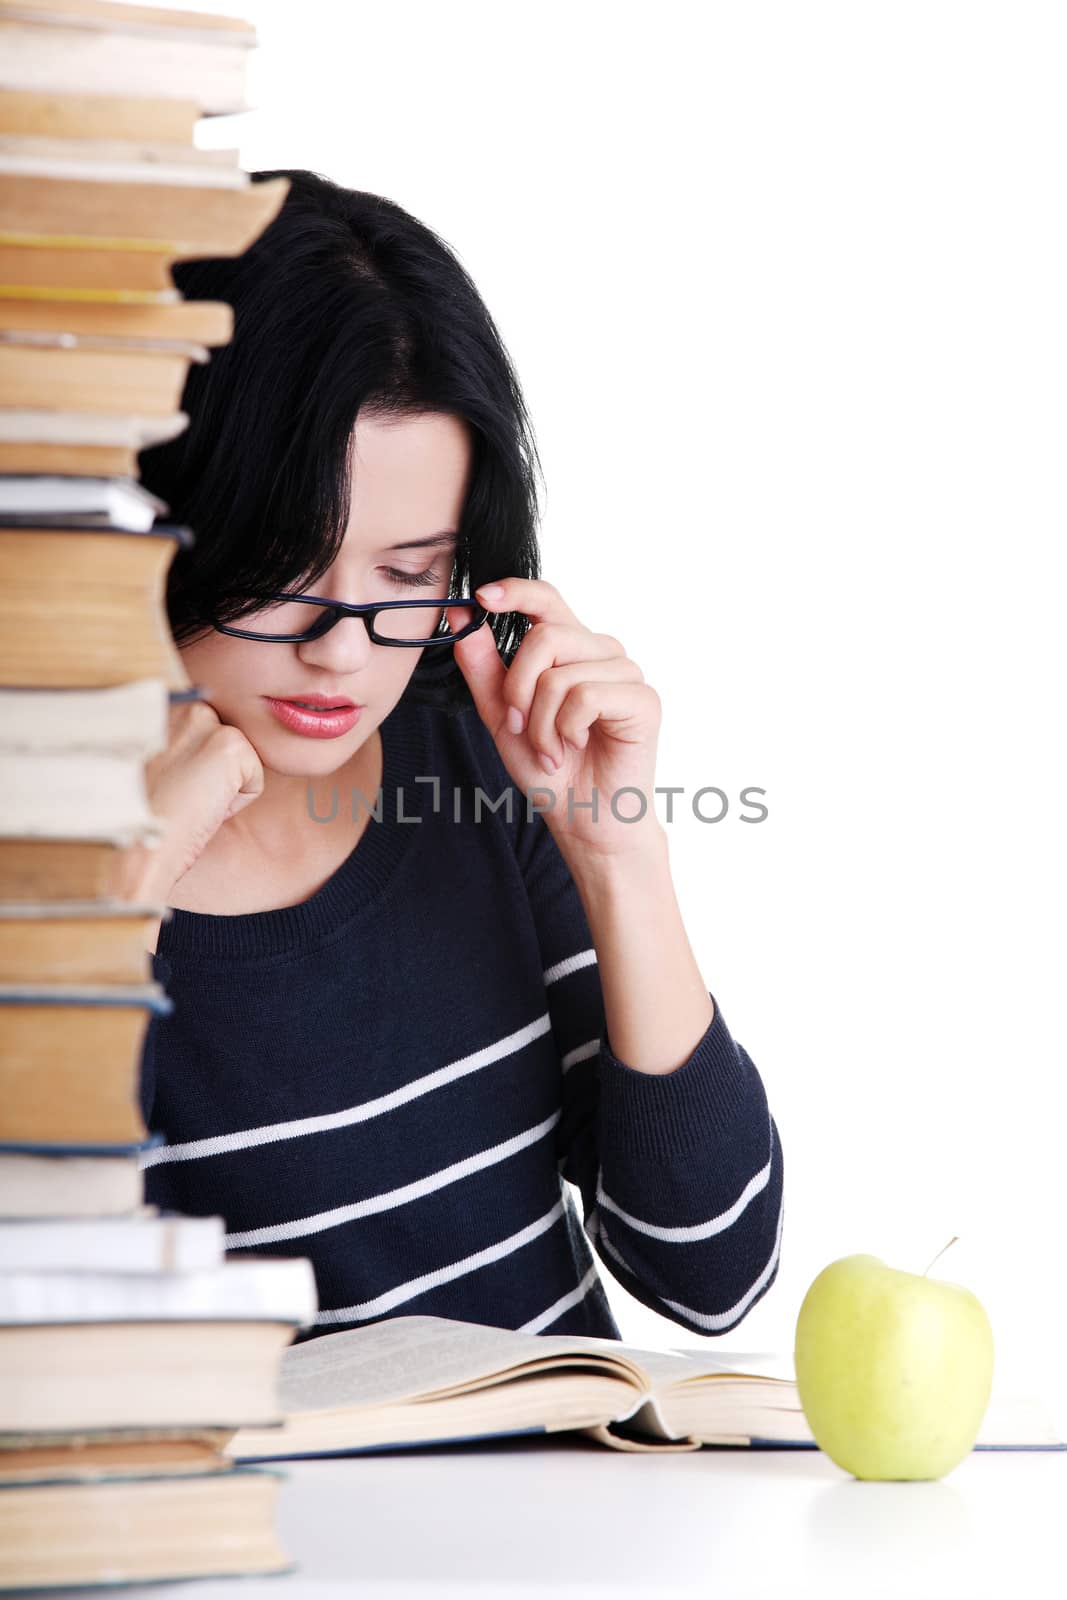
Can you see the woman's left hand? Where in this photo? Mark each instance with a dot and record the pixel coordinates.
(585, 704)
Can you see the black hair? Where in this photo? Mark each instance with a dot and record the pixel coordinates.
(344, 304)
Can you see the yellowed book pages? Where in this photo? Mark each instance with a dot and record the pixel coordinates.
(72, 461)
(82, 428)
(77, 1455)
(35, 339)
(141, 1531)
(118, 162)
(74, 944)
(117, 297)
(147, 383)
(47, 1095)
(47, 272)
(34, 871)
(86, 609)
(192, 221)
(150, 153)
(206, 322)
(97, 116)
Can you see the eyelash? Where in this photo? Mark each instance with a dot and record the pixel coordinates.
(414, 580)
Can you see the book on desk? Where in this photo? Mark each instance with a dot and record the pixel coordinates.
(421, 1380)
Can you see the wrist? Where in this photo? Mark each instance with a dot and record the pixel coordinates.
(142, 875)
(646, 858)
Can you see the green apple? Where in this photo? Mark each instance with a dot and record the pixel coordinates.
(894, 1370)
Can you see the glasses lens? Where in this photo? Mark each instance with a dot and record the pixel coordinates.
(410, 624)
(281, 620)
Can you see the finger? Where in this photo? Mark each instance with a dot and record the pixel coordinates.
(534, 597)
(628, 711)
(548, 645)
(239, 802)
(479, 660)
(553, 688)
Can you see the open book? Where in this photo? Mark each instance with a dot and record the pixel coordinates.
(428, 1380)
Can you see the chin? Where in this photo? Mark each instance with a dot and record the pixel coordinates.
(296, 757)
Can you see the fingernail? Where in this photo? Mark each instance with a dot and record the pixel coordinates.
(516, 719)
(548, 763)
(490, 591)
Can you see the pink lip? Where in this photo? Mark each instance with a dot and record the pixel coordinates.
(315, 724)
(333, 701)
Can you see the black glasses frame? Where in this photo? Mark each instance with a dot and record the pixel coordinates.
(332, 612)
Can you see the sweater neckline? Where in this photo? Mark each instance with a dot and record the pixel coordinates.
(360, 879)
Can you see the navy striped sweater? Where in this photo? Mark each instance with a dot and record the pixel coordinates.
(401, 1076)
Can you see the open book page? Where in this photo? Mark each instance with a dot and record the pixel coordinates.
(750, 1364)
(402, 1361)
(426, 1379)
(662, 1414)
(418, 1358)
(681, 1363)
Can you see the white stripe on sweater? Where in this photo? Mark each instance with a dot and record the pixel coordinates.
(456, 1269)
(391, 1199)
(581, 1052)
(569, 964)
(694, 1230)
(300, 1127)
(545, 1318)
(714, 1322)
(269, 1133)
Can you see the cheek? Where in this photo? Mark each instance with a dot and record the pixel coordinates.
(224, 668)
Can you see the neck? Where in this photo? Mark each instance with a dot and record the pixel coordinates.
(280, 817)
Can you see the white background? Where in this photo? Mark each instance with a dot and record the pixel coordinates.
(785, 288)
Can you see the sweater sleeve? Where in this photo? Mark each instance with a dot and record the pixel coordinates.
(680, 1173)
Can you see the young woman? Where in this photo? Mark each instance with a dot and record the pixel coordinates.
(426, 959)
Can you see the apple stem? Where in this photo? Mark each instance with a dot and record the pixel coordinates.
(941, 1252)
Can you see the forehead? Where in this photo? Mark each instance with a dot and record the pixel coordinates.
(409, 478)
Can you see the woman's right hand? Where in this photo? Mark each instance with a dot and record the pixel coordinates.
(206, 774)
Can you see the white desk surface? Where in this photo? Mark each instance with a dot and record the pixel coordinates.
(563, 1517)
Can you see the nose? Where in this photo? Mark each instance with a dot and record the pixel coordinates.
(346, 647)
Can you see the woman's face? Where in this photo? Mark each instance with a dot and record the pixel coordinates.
(409, 483)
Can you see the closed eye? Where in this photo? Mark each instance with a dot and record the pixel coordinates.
(414, 580)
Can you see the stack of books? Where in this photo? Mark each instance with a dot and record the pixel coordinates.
(130, 1347)
(130, 1350)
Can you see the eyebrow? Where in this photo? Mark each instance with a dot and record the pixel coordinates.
(420, 544)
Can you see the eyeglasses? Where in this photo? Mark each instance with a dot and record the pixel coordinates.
(407, 624)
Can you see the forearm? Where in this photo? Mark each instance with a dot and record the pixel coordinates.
(656, 1004)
